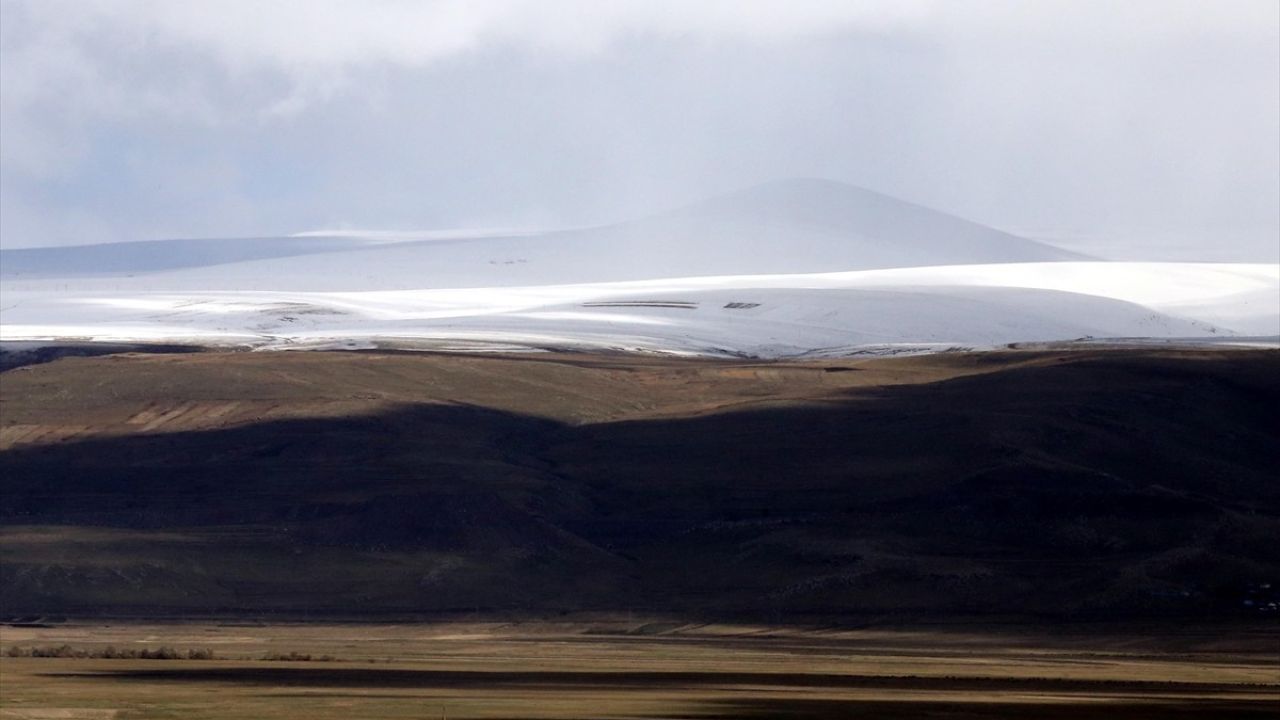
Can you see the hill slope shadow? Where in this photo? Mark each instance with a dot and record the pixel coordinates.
(1124, 486)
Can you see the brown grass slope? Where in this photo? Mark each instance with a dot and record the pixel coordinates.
(1084, 484)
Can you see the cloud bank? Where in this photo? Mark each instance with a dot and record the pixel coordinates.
(130, 120)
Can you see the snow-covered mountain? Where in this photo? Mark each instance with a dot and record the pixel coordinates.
(793, 226)
(783, 269)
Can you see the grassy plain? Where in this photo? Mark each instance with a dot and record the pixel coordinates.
(590, 669)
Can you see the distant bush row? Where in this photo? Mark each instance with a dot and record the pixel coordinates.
(161, 653)
(298, 657)
(111, 653)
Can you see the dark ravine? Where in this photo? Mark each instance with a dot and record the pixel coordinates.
(1099, 485)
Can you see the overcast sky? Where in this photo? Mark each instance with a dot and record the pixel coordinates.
(1126, 120)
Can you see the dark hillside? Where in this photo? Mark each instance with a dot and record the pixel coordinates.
(1108, 485)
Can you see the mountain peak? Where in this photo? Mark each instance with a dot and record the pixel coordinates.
(818, 199)
(809, 224)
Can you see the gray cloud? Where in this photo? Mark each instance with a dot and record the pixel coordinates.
(1138, 121)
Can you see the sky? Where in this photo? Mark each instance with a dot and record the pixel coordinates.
(1144, 126)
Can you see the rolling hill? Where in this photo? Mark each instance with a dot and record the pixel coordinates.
(1117, 484)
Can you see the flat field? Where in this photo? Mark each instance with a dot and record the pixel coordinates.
(585, 669)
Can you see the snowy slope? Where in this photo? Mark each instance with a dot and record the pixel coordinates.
(159, 255)
(765, 316)
(130, 259)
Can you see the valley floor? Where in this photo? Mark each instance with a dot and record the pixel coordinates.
(586, 669)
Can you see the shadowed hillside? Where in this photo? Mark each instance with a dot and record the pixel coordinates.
(1112, 484)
